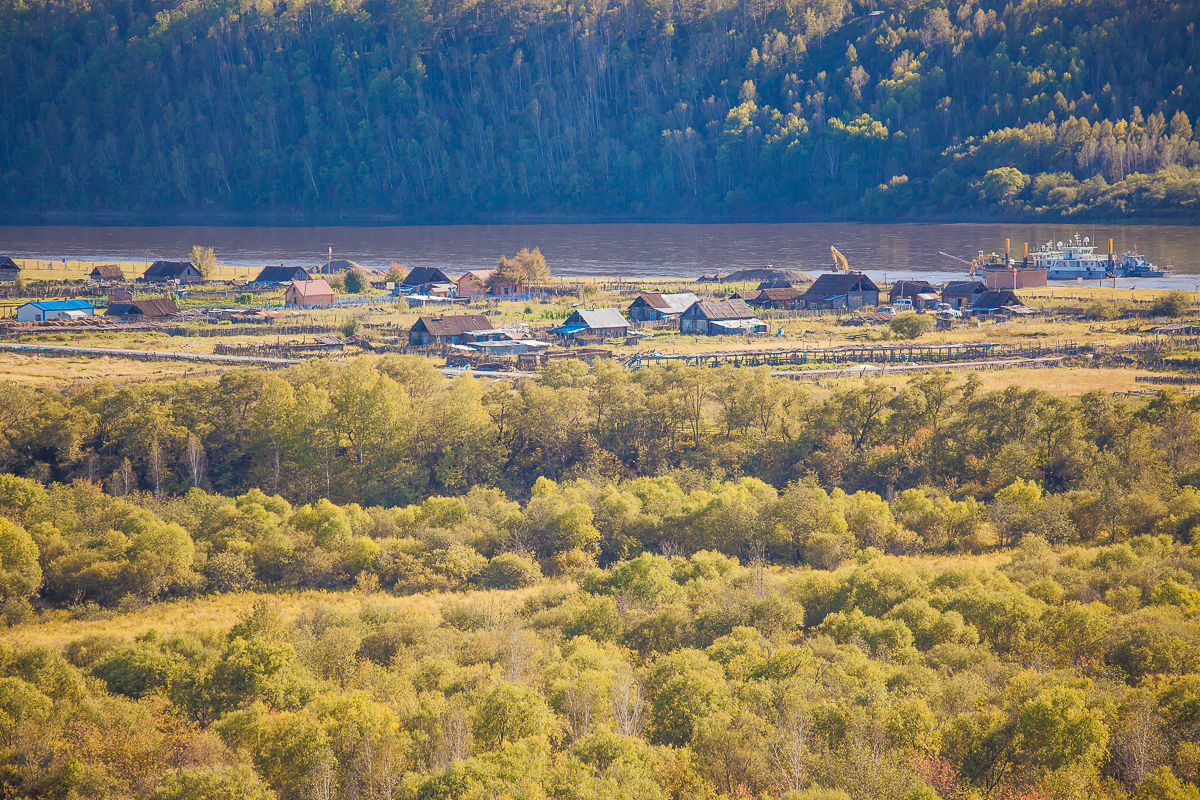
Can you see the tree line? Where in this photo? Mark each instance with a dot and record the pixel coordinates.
(443, 111)
(392, 431)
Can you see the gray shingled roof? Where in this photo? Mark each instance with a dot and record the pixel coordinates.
(724, 309)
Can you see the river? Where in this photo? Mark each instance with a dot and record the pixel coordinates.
(887, 251)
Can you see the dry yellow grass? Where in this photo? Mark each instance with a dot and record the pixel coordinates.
(39, 269)
(59, 371)
(215, 614)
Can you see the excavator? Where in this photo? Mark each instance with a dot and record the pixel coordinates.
(839, 261)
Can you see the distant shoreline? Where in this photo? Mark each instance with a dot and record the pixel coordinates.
(363, 219)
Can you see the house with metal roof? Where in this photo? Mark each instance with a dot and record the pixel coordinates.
(655, 306)
(146, 308)
(604, 323)
(841, 290)
(282, 274)
(42, 310)
(170, 271)
(714, 317)
(450, 329)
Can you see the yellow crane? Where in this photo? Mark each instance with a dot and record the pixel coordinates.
(839, 261)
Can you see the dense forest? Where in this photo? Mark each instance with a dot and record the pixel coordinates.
(1015, 615)
(393, 431)
(634, 109)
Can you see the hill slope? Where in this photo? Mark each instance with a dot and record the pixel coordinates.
(434, 109)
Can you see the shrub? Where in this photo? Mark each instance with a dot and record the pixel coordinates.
(1171, 304)
(910, 325)
(511, 571)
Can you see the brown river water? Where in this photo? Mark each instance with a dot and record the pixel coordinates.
(650, 250)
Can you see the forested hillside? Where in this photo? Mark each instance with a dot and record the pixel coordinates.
(447, 110)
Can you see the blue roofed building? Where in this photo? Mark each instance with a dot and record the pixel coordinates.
(42, 310)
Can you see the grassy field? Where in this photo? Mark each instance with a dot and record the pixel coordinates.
(214, 614)
(66, 371)
(48, 270)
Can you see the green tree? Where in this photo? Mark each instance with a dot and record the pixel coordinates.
(204, 259)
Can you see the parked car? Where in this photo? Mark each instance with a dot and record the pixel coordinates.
(903, 304)
(891, 312)
(947, 310)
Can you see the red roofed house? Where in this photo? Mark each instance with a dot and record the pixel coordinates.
(309, 293)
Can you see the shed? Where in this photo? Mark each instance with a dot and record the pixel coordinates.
(606, 323)
(309, 293)
(446, 330)
(148, 308)
(962, 294)
(42, 310)
(282, 274)
(106, 273)
(9, 271)
(841, 290)
(169, 271)
(655, 306)
(712, 317)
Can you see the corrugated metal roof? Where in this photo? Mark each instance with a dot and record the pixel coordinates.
(600, 318)
(673, 303)
(61, 305)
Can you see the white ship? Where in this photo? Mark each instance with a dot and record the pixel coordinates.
(1075, 258)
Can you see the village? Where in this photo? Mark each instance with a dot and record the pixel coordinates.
(835, 324)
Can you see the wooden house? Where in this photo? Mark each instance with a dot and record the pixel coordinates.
(281, 275)
(308, 293)
(603, 323)
(713, 317)
(106, 273)
(774, 297)
(478, 283)
(422, 279)
(962, 294)
(657, 306)
(172, 271)
(841, 290)
(446, 330)
(997, 301)
(9, 271)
